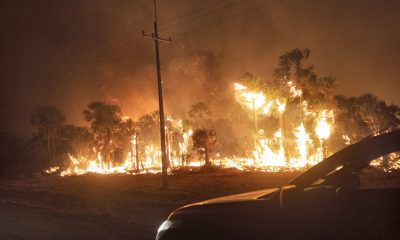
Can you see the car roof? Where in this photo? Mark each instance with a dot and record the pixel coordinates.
(355, 157)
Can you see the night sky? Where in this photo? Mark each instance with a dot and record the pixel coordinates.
(68, 53)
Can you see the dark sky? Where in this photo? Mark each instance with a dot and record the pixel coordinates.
(68, 53)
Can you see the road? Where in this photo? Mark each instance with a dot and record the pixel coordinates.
(20, 223)
(111, 206)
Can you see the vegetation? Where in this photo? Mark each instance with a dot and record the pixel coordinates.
(48, 121)
(228, 131)
(105, 120)
(204, 141)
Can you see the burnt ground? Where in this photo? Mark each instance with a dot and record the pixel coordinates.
(112, 206)
(123, 206)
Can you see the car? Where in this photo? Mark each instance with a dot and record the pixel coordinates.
(324, 202)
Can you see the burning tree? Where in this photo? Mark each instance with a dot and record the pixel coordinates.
(204, 140)
(148, 125)
(251, 94)
(104, 122)
(78, 141)
(126, 142)
(295, 120)
(358, 117)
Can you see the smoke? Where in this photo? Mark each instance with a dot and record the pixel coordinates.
(68, 53)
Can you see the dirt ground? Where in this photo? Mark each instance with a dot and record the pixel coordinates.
(112, 206)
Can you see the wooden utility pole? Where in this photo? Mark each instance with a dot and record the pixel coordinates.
(255, 117)
(156, 39)
(137, 151)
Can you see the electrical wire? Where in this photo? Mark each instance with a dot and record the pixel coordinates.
(229, 18)
(190, 13)
(195, 17)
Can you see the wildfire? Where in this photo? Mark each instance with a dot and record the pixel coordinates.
(302, 140)
(82, 165)
(281, 106)
(270, 153)
(267, 108)
(250, 98)
(52, 169)
(323, 128)
(293, 90)
(151, 162)
(293, 146)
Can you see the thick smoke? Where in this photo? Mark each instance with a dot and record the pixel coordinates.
(68, 53)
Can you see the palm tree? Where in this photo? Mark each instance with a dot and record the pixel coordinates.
(78, 140)
(147, 131)
(253, 83)
(204, 140)
(290, 64)
(290, 68)
(126, 139)
(254, 87)
(200, 113)
(48, 120)
(104, 122)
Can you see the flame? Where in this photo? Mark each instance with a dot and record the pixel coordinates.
(239, 87)
(184, 146)
(267, 108)
(293, 90)
(249, 98)
(323, 128)
(393, 162)
(52, 170)
(302, 139)
(281, 106)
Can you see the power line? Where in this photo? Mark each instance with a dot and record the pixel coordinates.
(195, 17)
(229, 18)
(192, 12)
(187, 14)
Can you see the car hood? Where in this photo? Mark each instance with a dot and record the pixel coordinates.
(254, 195)
(244, 204)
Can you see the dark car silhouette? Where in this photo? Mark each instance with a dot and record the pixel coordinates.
(324, 202)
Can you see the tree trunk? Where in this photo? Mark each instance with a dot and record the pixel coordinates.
(168, 152)
(103, 157)
(206, 157)
(52, 144)
(106, 159)
(137, 152)
(48, 147)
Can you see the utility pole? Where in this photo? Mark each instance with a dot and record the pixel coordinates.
(255, 117)
(156, 39)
